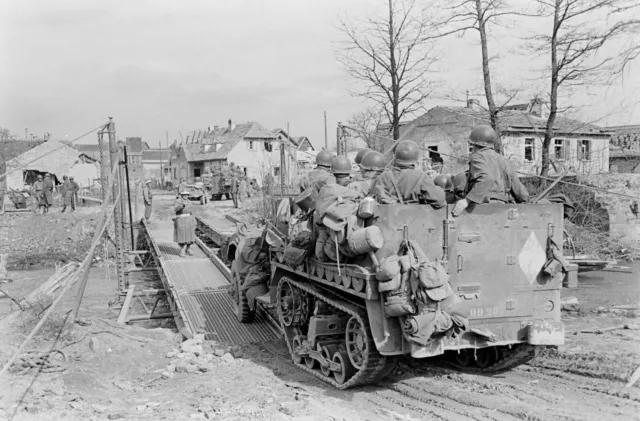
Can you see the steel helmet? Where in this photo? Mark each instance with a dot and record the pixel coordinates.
(406, 152)
(372, 161)
(361, 153)
(444, 181)
(483, 136)
(340, 165)
(324, 158)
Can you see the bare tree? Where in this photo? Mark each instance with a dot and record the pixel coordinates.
(392, 56)
(574, 45)
(461, 16)
(366, 124)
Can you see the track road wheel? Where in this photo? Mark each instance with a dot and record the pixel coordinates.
(310, 363)
(242, 310)
(356, 340)
(286, 310)
(486, 357)
(464, 358)
(327, 352)
(346, 369)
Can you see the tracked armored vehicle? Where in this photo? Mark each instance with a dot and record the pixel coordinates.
(487, 301)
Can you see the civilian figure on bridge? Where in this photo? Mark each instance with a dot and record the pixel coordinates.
(184, 224)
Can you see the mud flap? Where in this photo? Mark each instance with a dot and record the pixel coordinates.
(544, 332)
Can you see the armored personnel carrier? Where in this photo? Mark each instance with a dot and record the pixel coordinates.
(480, 291)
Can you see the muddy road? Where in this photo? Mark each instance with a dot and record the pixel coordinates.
(121, 378)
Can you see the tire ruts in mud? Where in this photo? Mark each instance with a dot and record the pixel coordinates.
(375, 365)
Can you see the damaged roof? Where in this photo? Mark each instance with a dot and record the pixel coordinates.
(227, 140)
(52, 156)
(512, 120)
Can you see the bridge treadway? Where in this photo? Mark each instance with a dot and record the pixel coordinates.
(200, 292)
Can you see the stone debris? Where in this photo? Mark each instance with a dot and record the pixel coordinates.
(141, 407)
(199, 356)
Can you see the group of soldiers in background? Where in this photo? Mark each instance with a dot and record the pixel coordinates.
(490, 177)
(43, 188)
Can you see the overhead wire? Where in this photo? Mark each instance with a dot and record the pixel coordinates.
(519, 172)
(102, 126)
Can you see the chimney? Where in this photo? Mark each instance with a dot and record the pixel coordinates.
(230, 125)
(535, 107)
(473, 104)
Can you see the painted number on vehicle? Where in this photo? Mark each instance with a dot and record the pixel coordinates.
(476, 312)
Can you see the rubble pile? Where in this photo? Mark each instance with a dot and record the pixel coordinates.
(199, 356)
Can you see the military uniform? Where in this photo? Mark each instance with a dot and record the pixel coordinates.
(48, 191)
(492, 179)
(66, 193)
(148, 200)
(317, 179)
(408, 185)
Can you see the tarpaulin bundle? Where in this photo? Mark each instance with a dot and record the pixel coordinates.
(555, 261)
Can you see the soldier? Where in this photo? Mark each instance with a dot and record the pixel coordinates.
(405, 183)
(181, 187)
(492, 178)
(184, 227)
(148, 198)
(371, 166)
(341, 170)
(321, 175)
(445, 183)
(75, 188)
(358, 159)
(235, 185)
(65, 192)
(38, 193)
(48, 191)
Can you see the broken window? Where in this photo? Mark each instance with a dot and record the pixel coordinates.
(268, 146)
(558, 149)
(584, 150)
(434, 156)
(251, 144)
(276, 171)
(529, 150)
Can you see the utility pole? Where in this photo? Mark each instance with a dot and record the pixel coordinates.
(290, 138)
(114, 154)
(326, 142)
(338, 139)
(161, 165)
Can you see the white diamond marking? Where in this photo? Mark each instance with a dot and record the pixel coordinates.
(531, 258)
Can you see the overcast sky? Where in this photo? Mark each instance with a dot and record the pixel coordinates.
(167, 65)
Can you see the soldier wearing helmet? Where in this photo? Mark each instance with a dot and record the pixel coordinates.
(341, 170)
(321, 175)
(492, 178)
(358, 160)
(445, 182)
(371, 166)
(405, 183)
